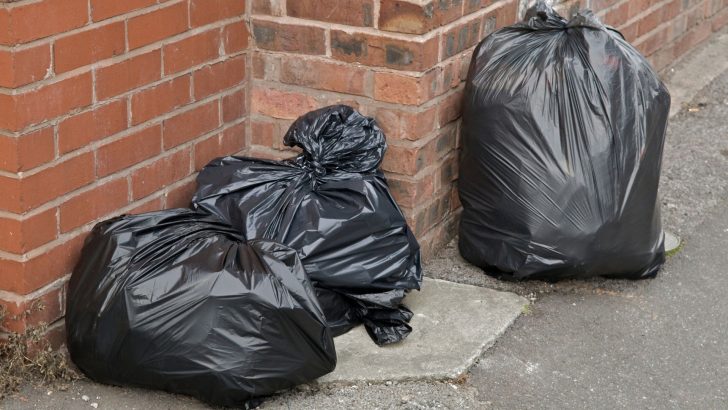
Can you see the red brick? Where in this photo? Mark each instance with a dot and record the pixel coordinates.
(348, 12)
(191, 51)
(384, 51)
(618, 15)
(24, 66)
(235, 37)
(103, 9)
(25, 234)
(129, 150)
(405, 160)
(24, 314)
(147, 205)
(407, 17)
(162, 172)
(190, 124)
(94, 204)
(157, 25)
(46, 267)
(450, 108)
(460, 38)
(230, 142)
(128, 74)
(89, 46)
(410, 192)
(404, 89)
(27, 151)
(44, 103)
(209, 11)
(268, 7)
(637, 6)
(180, 196)
(649, 22)
(32, 21)
(82, 129)
(233, 106)
(266, 134)
(60, 179)
(406, 125)
(323, 75)
(160, 99)
(219, 77)
(281, 104)
(719, 20)
(403, 16)
(289, 37)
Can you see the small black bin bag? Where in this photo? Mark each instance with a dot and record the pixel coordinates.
(176, 300)
(562, 137)
(333, 205)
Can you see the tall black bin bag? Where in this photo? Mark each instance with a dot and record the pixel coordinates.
(176, 300)
(562, 137)
(333, 205)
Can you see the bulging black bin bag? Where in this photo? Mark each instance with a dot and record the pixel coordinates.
(562, 136)
(176, 300)
(333, 205)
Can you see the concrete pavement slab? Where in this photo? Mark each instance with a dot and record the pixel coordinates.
(452, 326)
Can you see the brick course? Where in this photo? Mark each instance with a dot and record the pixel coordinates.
(110, 106)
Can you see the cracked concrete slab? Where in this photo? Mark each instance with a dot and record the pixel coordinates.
(452, 326)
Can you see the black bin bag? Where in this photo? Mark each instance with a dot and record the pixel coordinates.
(562, 137)
(176, 300)
(332, 204)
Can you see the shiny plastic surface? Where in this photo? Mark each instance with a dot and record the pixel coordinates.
(176, 300)
(333, 205)
(562, 137)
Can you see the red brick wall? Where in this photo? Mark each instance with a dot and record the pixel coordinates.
(106, 107)
(110, 106)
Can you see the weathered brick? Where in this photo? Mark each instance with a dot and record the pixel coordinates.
(406, 125)
(450, 108)
(418, 18)
(190, 124)
(410, 192)
(80, 130)
(268, 7)
(348, 12)
(160, 99)
(129, 74)
(323, 75)
(161, 173)
(191, 51)
(148, 28)
(405, 89)
(384, 51)
(129, 150)
(93, 204)
(289, 37)
(281, 104)
(460, 37)
(89, 46)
